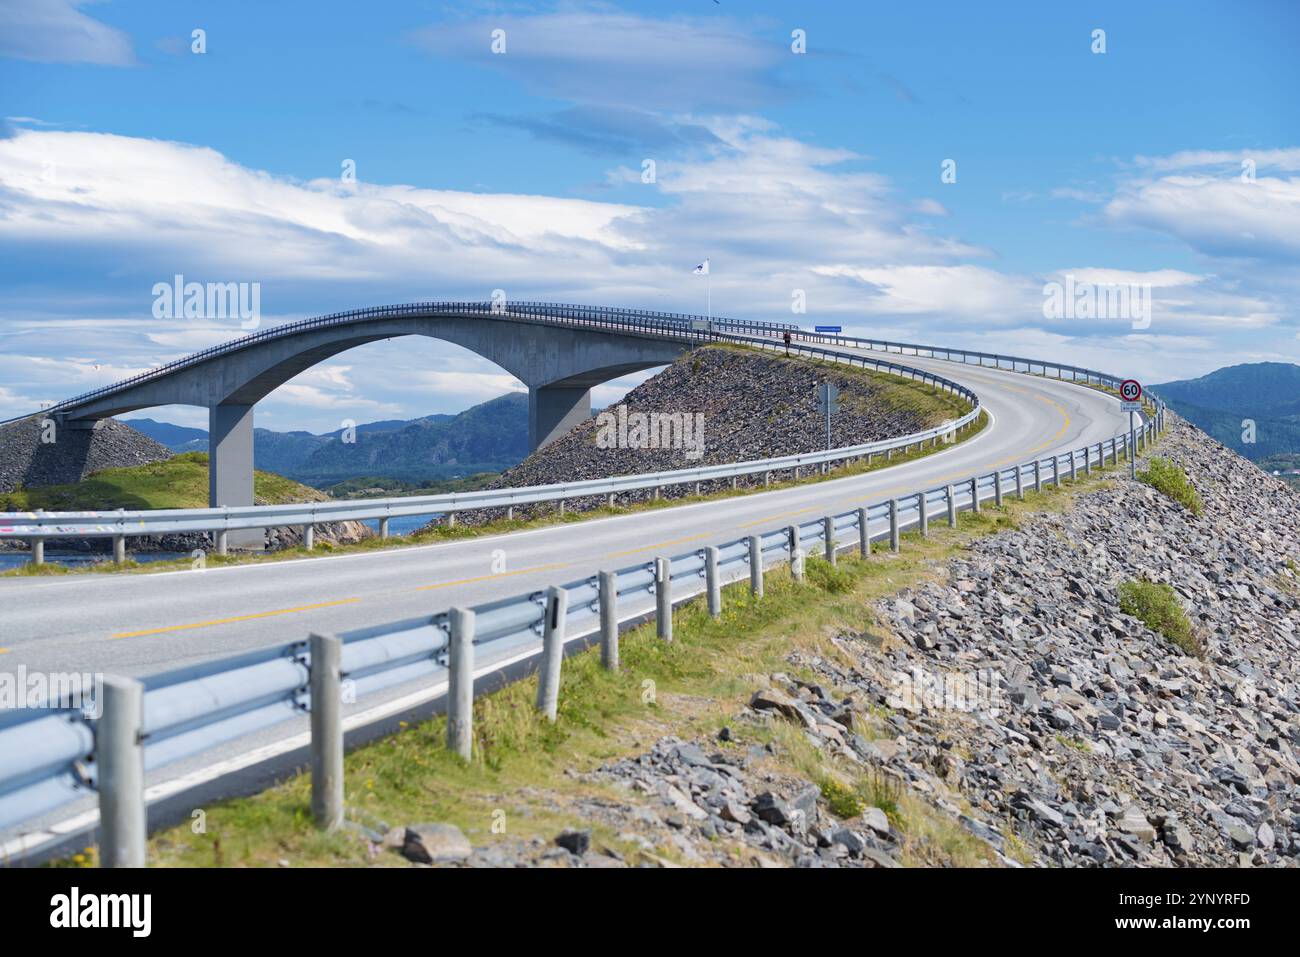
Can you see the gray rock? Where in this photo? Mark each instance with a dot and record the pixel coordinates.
(575, 842)
(435, 844)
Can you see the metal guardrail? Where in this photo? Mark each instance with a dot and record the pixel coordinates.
(121, 524)
(48, 757)
(1076, 373)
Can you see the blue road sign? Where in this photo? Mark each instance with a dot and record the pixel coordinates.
(828, 328)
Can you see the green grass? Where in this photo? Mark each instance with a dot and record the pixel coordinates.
(1170, 480)
(178, 482)
(1156, 605)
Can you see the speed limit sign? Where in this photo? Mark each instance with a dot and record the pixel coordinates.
(1130, 391)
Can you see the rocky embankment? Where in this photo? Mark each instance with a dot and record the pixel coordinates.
(1104, 743)
(1011, 697)
(75, 453)
(732, 406)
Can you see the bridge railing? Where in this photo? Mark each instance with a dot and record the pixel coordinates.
(634, 320)
(37, 527)
(48, 756)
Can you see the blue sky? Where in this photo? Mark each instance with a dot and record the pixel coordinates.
(127, 158)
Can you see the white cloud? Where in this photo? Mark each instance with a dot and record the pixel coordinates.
(773, 213)
(55, 31)
(613, 58)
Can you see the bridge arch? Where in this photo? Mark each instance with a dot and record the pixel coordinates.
(560, 353)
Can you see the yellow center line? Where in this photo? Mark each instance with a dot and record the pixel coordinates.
(768, 518)
(484, 578)
(226, 621)
(650, 548)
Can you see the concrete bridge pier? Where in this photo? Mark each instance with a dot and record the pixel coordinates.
(230, 466)
(553, 410)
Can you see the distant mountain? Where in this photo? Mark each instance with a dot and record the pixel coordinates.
(489, 437)
(486, 438)
(1266, 393)
(164, 433)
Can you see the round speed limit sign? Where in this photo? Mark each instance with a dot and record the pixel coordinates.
(1130, 390)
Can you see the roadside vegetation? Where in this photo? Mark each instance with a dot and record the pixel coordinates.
(178, 482)
(690, 688)
(1170, 480)
(1156, 605)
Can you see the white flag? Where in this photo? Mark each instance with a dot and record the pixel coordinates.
(702, 269)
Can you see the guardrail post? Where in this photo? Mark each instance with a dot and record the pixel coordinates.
(1038, 475)
(1020, 483)
(548, 678)
(119, 549)
(383, 527)
(38, 551)
(1056, 470)
(893, 525)
(609, 500)
(923, 514)
(309, 537)
(119, 757)
(451, 519)
(828, 533)
(997, 489)
(711, 581)
(657, 491)
(326, 682)
(735, 483)
(609, 620)
(951, 500)
(223, 542)
(510, 513)
(796, 553)
(864, 534)
(756, 566)
(664, 599)
(1074, 466)
(975, 494)
(460, 682)
(1114, 459)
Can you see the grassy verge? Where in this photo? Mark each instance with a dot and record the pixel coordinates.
(520, 778)
(1156, 606)
(441, 533)
(1171, 481)
(178, 482)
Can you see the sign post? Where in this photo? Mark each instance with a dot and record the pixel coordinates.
(828, 400)
(1130, 394)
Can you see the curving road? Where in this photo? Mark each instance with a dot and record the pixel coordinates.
(138, 624)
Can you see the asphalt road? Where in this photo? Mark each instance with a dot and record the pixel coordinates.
(140, 624)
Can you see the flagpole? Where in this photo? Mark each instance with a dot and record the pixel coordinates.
(708, 285)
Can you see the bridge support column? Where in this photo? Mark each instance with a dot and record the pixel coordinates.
(230, 466)
(554, 410)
